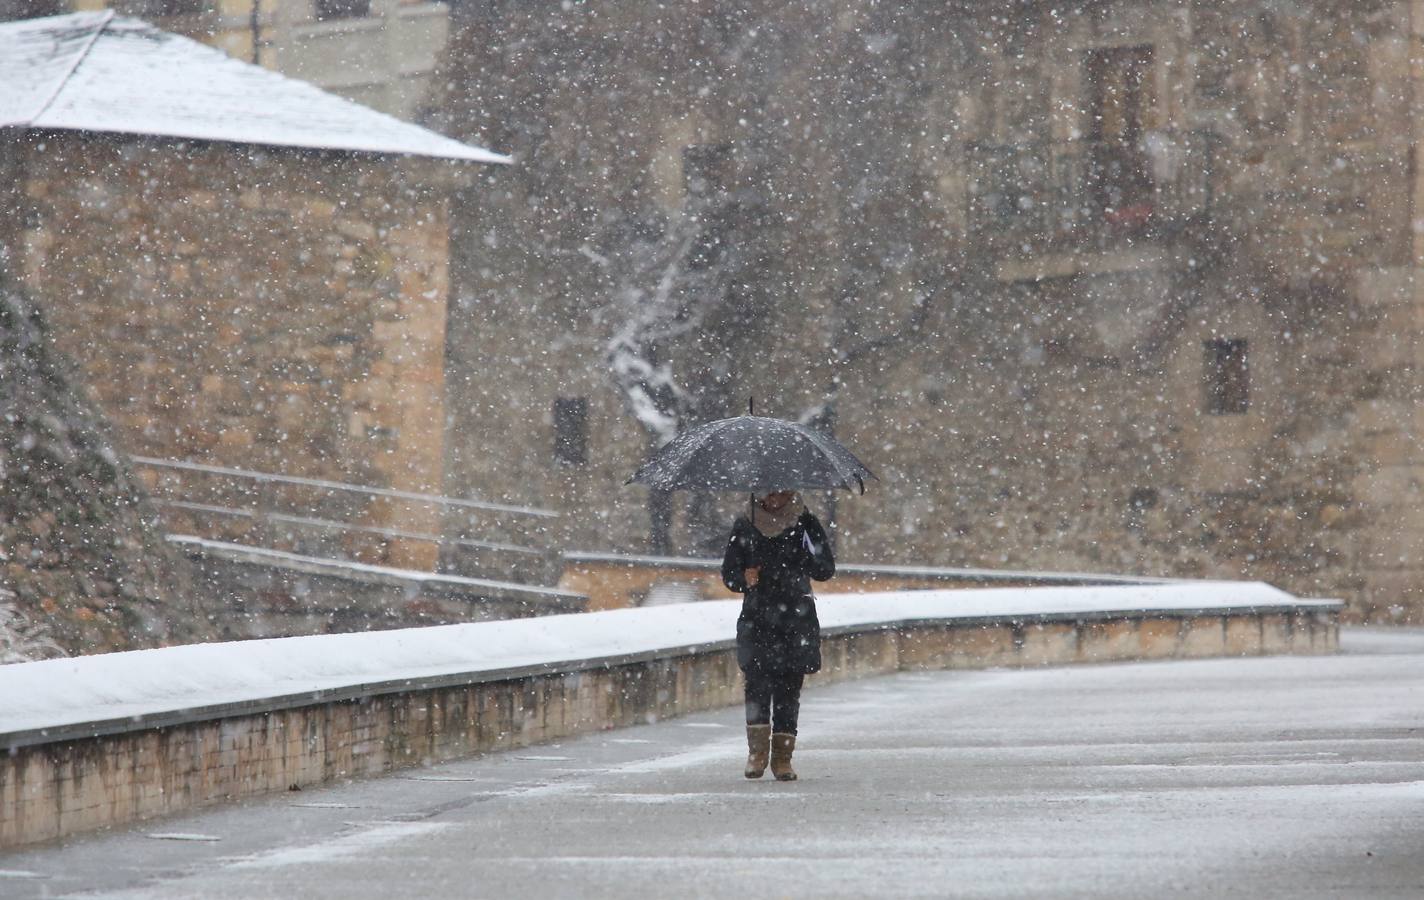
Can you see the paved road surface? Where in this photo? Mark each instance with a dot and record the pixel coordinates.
(1288, 777)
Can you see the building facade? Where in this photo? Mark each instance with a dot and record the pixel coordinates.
(262, 289)
(379, 53)
(1130, 285)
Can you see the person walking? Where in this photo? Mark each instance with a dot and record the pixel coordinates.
(771, 558)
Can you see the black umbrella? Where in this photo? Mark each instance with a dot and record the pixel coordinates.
(754, 454)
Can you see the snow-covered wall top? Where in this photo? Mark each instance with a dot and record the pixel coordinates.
(988, 575)
(126, 691)
(100, 72)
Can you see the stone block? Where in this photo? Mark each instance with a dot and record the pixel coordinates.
(1275, 634)
(1050, 643)
(1203, 636)
(1158, 638)
(1387, 486)
(1393, 448)
(1108, 641)
(1244, 636)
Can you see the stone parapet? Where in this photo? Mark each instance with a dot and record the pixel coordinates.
(67, 777)
(618, 580)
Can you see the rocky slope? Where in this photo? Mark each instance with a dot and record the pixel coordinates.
(83, 566)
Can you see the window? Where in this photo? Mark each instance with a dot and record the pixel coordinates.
(342, 9)
(1118, 81)
(1226, 377)
(1119, 84)
(571, 430)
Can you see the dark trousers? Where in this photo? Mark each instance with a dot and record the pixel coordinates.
(774, 699)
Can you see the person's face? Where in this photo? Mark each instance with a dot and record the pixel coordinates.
(775, 501)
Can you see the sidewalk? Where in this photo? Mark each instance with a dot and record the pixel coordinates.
(1253, 777)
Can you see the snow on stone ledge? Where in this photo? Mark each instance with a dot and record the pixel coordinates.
(109, 688)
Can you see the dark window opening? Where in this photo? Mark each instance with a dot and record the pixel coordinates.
(1119, 86)
(342, 9)
(1227, 377)
(571, 430)
(1143, 498)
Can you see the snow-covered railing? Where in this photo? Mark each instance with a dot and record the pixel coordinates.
(343, 520)
(100, 740)
(328, 485)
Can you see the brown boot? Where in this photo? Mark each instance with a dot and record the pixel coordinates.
(782, 746)
(758, 749)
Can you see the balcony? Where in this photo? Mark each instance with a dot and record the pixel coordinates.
(1088, 197)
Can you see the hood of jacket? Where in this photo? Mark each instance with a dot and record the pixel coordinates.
(773, 523)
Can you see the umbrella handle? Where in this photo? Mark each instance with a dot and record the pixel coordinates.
(751, 497)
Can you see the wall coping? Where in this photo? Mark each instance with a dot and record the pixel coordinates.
(84, 697)
(987, 576)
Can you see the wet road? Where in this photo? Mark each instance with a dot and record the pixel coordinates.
(1289, 777)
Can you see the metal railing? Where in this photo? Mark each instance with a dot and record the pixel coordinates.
(334, 519)
(1046, 196)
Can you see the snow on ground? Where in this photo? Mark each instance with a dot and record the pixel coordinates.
(112, 687)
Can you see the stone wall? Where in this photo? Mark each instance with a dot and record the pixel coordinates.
(917, 241)
(57, 785)
(265, 309)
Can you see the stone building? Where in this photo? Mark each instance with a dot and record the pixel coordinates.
(249, 272)
(380, 53)
(1125, 285)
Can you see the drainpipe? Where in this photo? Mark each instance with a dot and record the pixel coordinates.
(255, 24)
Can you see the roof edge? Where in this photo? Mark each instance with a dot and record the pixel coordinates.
(95, 30)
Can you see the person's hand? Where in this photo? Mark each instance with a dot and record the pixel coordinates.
(752, 576)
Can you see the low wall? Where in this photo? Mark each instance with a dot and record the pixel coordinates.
(619, 581)
(100, 741)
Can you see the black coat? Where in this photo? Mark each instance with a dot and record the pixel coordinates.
(777, 631)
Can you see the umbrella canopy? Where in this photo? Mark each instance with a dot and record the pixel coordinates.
(754, 454)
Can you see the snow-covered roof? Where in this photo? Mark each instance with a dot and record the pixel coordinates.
(96, 71)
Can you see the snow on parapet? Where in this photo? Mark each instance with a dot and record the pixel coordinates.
(118, 689)
(106, 73)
